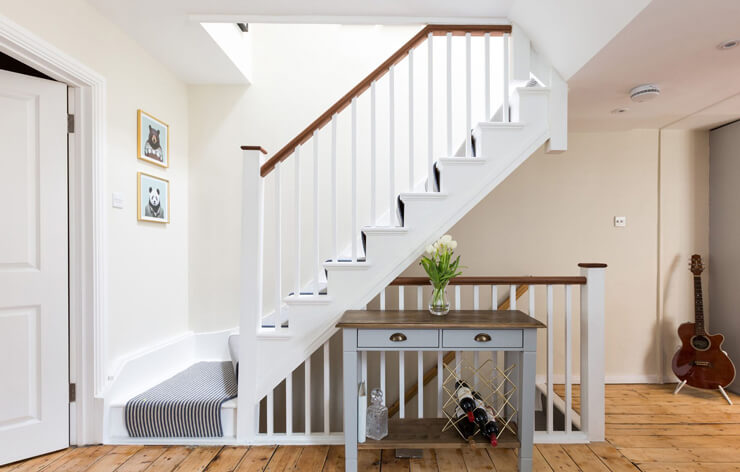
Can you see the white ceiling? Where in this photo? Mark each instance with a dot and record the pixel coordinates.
(672, 43)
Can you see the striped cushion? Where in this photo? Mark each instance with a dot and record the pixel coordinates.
(187, 405)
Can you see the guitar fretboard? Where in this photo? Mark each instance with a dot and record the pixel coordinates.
(698, 307)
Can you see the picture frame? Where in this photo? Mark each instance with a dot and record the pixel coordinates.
(152, 139)
(152, 198)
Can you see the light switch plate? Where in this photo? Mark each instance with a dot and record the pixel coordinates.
(620, 221)
(118, 200)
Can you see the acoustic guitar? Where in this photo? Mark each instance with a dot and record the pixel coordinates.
(701, 362)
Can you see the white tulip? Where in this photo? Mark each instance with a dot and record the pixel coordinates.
(446, 238)
(430, 249)
(453, 244)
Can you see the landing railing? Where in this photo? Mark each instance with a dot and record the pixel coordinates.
(346, 169)
(580, 315)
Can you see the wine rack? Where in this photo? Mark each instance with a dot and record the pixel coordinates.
(494, 386)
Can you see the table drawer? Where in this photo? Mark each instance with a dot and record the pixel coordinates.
(482, 338)
(397, 338)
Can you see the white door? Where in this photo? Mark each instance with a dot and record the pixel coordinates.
(34, 395)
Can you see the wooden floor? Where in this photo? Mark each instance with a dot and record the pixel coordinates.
(648, 429)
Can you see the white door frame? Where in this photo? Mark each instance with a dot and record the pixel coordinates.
(87, 230)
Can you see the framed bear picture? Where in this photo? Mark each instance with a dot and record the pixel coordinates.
(153, 195)
(153, 139)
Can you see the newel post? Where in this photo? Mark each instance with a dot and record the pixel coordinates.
(592, 350)
(251, 292)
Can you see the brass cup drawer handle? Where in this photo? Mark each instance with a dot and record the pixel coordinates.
(398, 337)
(482, 337)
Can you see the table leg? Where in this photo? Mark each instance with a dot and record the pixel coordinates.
(350, 372)
(527, 375)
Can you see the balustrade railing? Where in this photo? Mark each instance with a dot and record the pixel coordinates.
(404, 376)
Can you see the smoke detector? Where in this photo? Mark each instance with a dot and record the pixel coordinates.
(729, 44)
(643, 93)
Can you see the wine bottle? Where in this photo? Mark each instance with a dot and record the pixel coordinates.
(466, 427)
(465, 399)
(490, 428)
(479, 413)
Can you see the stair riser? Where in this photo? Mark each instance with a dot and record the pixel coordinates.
(529, 104)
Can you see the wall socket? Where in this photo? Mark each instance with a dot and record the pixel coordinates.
(620, 221)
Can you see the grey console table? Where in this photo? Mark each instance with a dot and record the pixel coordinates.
(510, 331)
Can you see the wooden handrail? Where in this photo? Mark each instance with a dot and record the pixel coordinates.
(430, 374)
(380, 71)
(254, 148)
(522, 280)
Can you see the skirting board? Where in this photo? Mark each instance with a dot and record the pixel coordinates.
(610, 379)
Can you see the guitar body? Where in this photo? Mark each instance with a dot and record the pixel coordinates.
(701, 362)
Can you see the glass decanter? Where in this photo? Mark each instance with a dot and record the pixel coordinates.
(377, 416)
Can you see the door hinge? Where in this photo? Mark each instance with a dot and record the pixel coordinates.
(72, 392)
(70, 124)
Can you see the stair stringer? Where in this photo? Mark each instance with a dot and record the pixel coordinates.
(427, 216)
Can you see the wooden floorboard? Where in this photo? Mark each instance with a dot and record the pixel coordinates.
(648, 430)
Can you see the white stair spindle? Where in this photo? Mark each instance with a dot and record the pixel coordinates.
(353, 224)
(440, 379)
(373, 164)
(476, 297)
(297, 206)
(382, 376)
(494, 297)
(392, 147)
(568, 360)
(401, 301)
(307, 395)
(476, 365)
(550, 348)
(382, 299)
(419, 297)
(270, 414)
(401, 386)
(363, 368)
(411, 120)
(512, 297)
(430, 113)
(468, 99)
(289, 404)
(327, 390)
(505, 103)
(420, 384)
(316, 261)
(531, 301)
(334, 202)
(458, 298)
(449, 93)
(278, 248)
(487, 75)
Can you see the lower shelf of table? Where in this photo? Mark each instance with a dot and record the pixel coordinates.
(426, 433)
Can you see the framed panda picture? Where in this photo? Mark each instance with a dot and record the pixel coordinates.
(153, 139)
(153, 195)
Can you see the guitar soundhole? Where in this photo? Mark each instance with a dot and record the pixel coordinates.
(700, 343)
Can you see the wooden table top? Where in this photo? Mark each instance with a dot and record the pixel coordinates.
(420, 319)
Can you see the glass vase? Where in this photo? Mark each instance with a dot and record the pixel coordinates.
(438, 305)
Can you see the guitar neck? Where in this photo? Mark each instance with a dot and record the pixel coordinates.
(698, 306)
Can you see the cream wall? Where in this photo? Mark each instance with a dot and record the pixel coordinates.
(684, 230)
(557, 210)
(147, 263)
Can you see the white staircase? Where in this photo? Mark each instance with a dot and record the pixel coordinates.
(428, 203)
